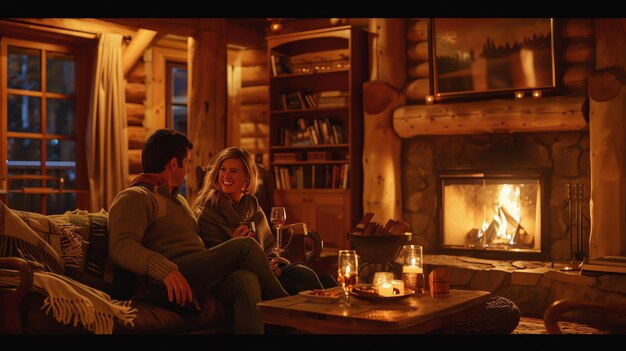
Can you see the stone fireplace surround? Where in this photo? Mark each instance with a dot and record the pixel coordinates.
(565, 155)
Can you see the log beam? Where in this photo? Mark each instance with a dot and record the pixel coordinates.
(495, 116)
(136, 48)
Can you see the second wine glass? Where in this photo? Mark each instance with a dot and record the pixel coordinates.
(278, 216)
(347, 272)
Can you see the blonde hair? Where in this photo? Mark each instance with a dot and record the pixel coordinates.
(211, 188)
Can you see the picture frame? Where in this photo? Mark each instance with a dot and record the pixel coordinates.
(488, 57)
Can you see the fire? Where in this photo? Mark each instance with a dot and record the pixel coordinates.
(506, 218)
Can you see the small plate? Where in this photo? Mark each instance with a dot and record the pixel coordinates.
(323, 296)
(368, 294)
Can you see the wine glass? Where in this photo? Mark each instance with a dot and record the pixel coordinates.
(278, 216)
(347, 272)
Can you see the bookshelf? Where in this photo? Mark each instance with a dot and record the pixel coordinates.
(316, 127)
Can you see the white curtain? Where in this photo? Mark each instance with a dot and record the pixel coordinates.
(107, 134)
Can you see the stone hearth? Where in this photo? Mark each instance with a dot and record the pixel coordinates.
(532, 285)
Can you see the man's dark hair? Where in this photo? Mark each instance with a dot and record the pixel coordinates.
(161, 146)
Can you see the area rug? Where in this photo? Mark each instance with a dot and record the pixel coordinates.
(528, 325)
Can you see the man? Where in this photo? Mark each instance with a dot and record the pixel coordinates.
(153, 232)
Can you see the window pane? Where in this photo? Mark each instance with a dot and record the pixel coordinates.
(24, 68)
(179, 118)
(59, 203)
(60, 116)
(25, 202)
(24, 114)
(179, 86)
(61, 169)
(24, 150)
(23, 183)
(60, 73)
(60, 150)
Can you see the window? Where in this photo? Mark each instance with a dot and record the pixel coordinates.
(39, 127)
(176, 99)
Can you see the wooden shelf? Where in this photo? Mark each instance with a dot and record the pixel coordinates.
(335, 208)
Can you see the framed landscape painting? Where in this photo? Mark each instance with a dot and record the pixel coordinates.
(490, 56)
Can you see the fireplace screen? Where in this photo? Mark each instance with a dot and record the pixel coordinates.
(500, 212)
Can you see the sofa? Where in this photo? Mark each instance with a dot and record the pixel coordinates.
(21, 306)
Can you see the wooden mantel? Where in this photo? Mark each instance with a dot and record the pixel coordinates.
(561, 113)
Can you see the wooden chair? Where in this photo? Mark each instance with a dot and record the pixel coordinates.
(609, 317)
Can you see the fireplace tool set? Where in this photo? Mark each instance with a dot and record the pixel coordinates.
(575, 196)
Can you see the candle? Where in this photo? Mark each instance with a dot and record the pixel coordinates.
(412, 269)
(385, 289)
(382, 277)
(429, 99)
(397, 287)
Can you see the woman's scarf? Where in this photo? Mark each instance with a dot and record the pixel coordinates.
(218, 221)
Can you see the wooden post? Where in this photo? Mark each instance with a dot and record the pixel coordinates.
(390, 51)
(382, 147)
(607, 136)
(381, 152)
(207, 95)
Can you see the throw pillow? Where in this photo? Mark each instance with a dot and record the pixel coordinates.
(17, 239)
(93, 229)
(64, 240)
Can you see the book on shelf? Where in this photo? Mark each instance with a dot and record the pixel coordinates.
(332, 101)
(282, 157)
(292, 101)
(280, 64)
(333, 93)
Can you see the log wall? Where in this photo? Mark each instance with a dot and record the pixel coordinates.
(254, 103)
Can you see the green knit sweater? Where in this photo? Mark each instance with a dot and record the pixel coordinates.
(148, 227)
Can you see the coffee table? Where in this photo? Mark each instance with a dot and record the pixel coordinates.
(417, 314)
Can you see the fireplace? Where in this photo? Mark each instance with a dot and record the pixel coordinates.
(493, 214)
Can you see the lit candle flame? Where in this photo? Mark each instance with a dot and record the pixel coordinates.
(413, 261)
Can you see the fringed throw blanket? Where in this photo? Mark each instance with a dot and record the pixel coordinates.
(73, 302)
(68, 300)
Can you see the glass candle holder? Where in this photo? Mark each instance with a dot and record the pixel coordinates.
(382, 277)
(413, 269)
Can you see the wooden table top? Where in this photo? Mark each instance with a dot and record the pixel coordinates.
(415, 314)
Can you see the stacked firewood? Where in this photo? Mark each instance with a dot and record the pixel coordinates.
(367, 227)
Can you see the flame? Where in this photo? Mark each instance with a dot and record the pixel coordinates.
(508, 200)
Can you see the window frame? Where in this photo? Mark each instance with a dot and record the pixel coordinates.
(83, 53)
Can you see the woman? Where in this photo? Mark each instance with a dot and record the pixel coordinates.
(226, 199)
